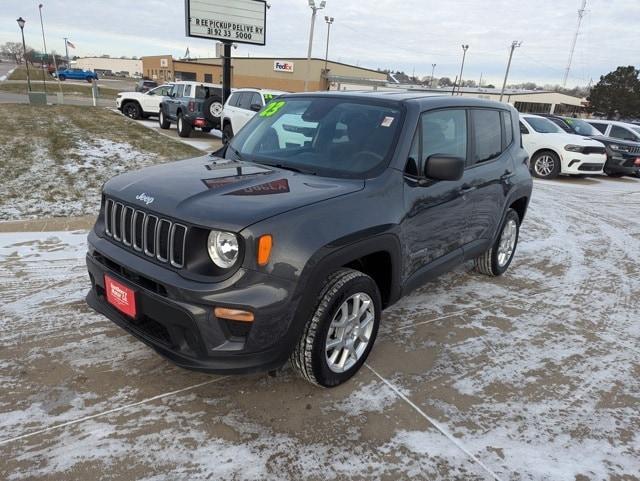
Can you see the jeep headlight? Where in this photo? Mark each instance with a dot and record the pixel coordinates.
(619, 148)
(573, 148)
(223, 248)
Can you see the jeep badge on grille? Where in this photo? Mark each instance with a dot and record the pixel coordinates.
(147, 199)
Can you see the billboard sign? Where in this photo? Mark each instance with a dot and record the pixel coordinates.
(237, 21)
(282, 66)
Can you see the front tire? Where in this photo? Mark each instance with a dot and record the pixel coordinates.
(63, 78)
(497, 259)
(162, 120)
(132, 110)
(338, 338)
(184, 128)
(545, 165)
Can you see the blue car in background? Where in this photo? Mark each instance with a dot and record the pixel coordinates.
(76, 74)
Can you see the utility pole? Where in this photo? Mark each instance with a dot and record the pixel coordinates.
(433, 69)
(515, 44)
(464, 54)
(581, 13)
(21, 21)
(55, 62)
(44, 44)
(314, 10)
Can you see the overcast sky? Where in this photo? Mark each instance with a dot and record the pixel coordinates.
(396, 34)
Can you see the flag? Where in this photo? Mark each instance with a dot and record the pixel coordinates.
(70, 44)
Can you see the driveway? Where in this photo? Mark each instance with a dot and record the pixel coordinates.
(531, 376)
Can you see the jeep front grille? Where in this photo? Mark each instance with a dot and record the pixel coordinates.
(145, 233)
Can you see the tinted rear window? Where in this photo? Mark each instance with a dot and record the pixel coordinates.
(487, 134)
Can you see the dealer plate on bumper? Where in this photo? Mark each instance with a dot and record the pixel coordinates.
(120, 296)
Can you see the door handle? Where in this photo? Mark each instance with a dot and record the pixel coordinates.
(507, 173)
(465, 189)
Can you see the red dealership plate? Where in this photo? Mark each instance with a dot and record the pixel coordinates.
(120, 296)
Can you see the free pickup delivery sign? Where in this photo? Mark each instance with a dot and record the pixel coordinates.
(237, 21)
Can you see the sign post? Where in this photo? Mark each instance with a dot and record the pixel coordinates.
(229, 21)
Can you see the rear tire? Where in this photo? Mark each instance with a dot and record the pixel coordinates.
(545, 165)
(184, 127)
(339, 337)
(227, 133)
(63, 78)
(497, 259)
(162, 120)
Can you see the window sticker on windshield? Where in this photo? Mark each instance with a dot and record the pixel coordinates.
(272, 108)
(387, 122)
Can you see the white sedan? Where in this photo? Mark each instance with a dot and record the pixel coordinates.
(554, 152)
(138, 105)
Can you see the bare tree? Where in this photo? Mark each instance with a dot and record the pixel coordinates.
(13, 50)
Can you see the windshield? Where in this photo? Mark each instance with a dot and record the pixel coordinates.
(581, 127)
(331, 137)
(543, 126)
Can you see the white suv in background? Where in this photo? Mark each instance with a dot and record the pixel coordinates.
(554, 152)
(617, 130)
(241, 106)
(137, 105)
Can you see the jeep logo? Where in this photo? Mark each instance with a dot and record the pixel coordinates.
(147, 199)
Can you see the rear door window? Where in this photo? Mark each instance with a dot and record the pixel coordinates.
(507, 126)
(256, 99)
(179, 90)
(487, 135)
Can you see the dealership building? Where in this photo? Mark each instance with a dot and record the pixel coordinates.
(278, 73)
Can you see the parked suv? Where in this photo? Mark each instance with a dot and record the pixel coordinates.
(623, 156)
(322, 211)
(192, 104)
(554, 152)
(241, 106)
(145, 85)
(617, 130)
(137, 105)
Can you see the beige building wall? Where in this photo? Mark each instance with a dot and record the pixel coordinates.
(133, 67)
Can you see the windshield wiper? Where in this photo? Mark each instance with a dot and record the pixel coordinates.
(288, 167)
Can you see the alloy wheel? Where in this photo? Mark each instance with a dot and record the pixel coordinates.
(544, 165)
(350, 332)
(507, 242)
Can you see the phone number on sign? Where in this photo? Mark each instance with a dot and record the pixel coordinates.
(216, 32)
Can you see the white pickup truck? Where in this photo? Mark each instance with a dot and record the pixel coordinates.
(138, 105)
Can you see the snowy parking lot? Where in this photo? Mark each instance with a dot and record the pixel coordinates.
(532, 376)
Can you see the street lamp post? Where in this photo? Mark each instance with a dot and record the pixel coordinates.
(314, 10)
(433, 70)
(329, 21)
(55, 63)
(21, 21)
(515, 44)
(44, 45)
(464, 55)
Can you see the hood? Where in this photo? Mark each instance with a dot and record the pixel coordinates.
(562, 137)
(611, 140)
(217, 193)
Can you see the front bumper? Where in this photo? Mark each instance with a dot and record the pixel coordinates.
(577, 163)
(622, 164)
(175, 315)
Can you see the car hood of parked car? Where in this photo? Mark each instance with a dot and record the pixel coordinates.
(611, 140)
(212, 192)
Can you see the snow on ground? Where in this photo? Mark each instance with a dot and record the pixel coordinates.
(7, 75)
(532, 376)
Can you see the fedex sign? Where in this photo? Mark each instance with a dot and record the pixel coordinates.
(282, 66)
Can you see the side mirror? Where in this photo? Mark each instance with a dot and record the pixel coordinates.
(256, 107)
(444, 167)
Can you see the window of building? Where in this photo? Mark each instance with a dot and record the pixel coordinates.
(487, 135)
(444, 132)
(532, 108)
(208, 78)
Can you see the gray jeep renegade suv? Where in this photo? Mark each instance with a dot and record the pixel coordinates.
(289, 242)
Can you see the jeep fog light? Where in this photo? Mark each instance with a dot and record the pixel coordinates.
(223, 248)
